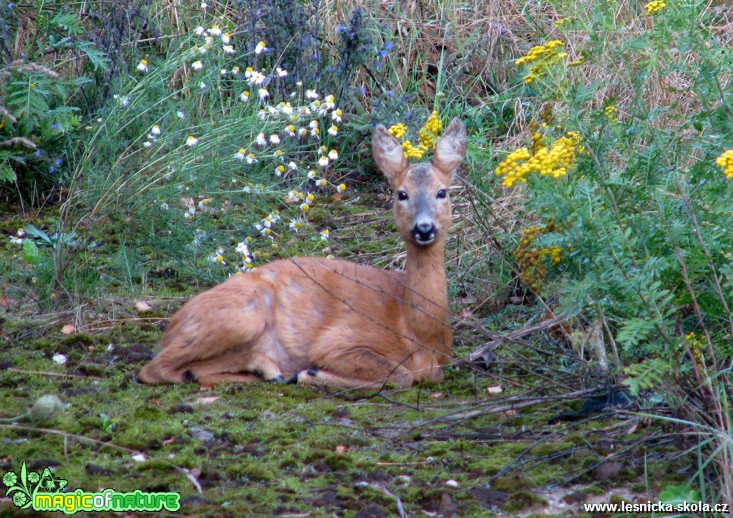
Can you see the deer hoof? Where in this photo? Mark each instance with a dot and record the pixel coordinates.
(278, 379)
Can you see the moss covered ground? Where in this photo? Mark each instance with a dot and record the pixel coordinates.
(453, 449)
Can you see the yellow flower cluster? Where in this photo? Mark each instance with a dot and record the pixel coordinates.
(726, 162)
(541, 57)
(655, 6)
(538, 142)
(429, 134)
(515, 167)
(411, 151)
(531, 258)
(398, 130)
(611, 113)
(696, 347)
(554, 161)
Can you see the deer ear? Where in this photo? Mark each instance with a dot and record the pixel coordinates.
(388, 153)
(450, 151)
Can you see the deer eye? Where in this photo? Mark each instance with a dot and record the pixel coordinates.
(402, 195)
(441, 193)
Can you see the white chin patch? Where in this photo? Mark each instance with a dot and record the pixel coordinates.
(423, 242)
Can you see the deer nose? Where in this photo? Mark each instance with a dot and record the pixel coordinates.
(424, 233)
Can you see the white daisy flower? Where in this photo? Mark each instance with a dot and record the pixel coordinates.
(256, 78)
(296, 224)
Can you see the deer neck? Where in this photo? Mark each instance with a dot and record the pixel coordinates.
(427, 298)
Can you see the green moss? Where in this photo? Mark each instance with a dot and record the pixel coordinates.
(251, 471)
(82, 340)
(512, 483)
(616, 499)
(338, 461)
(272, 446)
(522, 500)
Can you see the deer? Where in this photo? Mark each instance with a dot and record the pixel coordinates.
(320, 321)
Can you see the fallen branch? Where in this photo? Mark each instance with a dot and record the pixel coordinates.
(506, 404)
(18, 141)
(497, 340)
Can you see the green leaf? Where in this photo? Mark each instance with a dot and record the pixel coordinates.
(69, 22)
(679, 494)
(634, 331)
(30, 251)
(7, 174)
(97, 58)
(646, 375)
(35, 232)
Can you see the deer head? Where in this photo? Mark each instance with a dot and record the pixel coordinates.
(422, 205)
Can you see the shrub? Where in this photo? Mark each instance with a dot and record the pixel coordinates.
(626, 172)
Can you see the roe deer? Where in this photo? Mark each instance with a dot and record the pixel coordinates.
(318, 321)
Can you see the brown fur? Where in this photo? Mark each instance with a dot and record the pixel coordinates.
(318, 321)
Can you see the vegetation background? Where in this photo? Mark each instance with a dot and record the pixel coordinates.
(150, 148)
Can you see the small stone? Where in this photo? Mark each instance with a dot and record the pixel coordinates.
(201, 434)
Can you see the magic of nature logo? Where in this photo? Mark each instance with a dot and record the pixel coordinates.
(44, 491)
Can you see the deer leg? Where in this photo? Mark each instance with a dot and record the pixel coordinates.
(210, 380)
(325, 378)
(357, 369)
(235, 368)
